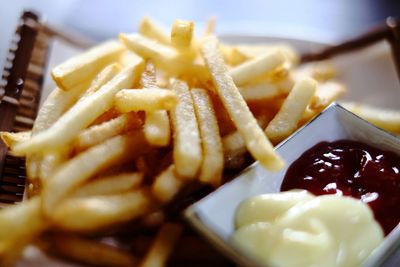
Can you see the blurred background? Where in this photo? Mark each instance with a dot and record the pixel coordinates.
(327, 21)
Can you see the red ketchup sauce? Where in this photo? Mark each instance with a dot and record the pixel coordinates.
(352, 169)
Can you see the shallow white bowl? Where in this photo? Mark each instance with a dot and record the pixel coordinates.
(213, 216)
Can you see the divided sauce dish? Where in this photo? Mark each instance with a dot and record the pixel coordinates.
(214, 215)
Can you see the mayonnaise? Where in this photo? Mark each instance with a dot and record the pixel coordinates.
(298, 229)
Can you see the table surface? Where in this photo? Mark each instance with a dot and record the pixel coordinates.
(328, 21)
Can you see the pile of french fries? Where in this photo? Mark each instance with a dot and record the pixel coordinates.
(134, 121)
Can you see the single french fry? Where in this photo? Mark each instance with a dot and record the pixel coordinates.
(82, 114)
(110, 185)
(260, 91)
(251, 51)
(256, 141)
(11, 139)
(19, 225)
(187, 144)
(162, 247)
(153, 30)
(233, 143)
(90, 251)
(320, 71)
(157, 128)
(326, 93)
(285, 121)
(85, 66)
(167, 184)
(387, 119)
(147, 99)
(159, 54)
(182, 34)
(79, 169)
(90, 214)
(98, 133)
(102, 78)
(256, 67)
(213, 159)
(165, 57)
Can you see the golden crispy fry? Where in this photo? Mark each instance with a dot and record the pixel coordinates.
(182, 33)
(320, 71)
(79, 169)
(11, 139)
(163, 245)
(255, 139)
(234, 145)
(213, 159)
(285, 122)
(165, 57)
(148, 99)
(161, 55)
(256, 67)
(387, 119)
(251, 51)
(187, 144)
(90, 251)
(90, 214)
(110, 185)
(153, 30)
(82, 114)
(18, 226)
(101, 132)
(261, 91)
(327, 93)
(157, 128)
(102, 78)
(85, 66)
(167, 184)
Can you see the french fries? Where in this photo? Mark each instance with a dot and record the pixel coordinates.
(256, 141)
(82, 114)
(11, 139)
(167, 184)
(153, 30)
(100, 158)
(100, 132)
(386, 119)
(93, 213)
(182, 33)
(85, 165)
(213, 160)
(90, 251)
(187, 145)
(162, 246)
(79, 68)
(148, 99)
(157, 126)
(119, 183)
(285, 122)
(254, 68)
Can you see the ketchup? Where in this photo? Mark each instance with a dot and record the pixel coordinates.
(354, 169)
